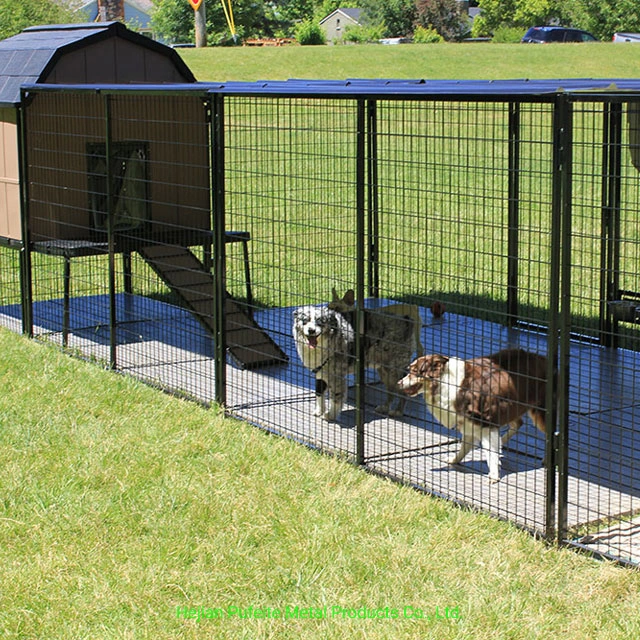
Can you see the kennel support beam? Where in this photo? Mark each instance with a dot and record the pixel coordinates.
(559, 336)
(215, 115)
(26, 276)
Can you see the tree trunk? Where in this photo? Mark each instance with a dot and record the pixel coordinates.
(110, 10)
(201, 26)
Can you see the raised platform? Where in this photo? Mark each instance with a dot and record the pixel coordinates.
(164, 345)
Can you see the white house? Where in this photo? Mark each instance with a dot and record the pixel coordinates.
(337, 21)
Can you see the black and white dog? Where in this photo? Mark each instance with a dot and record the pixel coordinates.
(325, 341)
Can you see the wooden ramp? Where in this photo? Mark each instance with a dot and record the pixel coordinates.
(247, 343)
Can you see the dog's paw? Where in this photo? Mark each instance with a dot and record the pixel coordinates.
(396, 413)
(330, 416)
(493, 479)
(453, 460)
(383, 410)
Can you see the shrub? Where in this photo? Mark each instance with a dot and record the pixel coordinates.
(308, 32)
(426, 35)
(508, 34)
(361, 35)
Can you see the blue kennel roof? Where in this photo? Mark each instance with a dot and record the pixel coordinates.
(407, 88)
(376, 88)
(30, 56)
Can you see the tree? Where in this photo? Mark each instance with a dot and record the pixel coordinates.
(292, 11)
(396, 16)
(604, 17)
(16, 15)
(109, 10)
(444, 16)
(173, 20)
(601, 17)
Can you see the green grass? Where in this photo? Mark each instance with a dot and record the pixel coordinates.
(459, 61)
(120, 504)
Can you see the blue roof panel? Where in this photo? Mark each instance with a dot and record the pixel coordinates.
(362, 88)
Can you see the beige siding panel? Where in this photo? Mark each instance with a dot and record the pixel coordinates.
(9, 175)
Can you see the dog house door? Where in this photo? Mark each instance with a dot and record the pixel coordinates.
(129, 185)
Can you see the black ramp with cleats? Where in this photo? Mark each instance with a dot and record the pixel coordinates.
(248, 344)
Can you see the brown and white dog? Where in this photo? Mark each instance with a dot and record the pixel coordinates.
(479, 396)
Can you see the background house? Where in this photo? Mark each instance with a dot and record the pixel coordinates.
(335, 23)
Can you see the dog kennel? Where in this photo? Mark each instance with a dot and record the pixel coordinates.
(515, 205)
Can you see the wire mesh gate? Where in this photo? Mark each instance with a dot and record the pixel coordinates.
(173, 233)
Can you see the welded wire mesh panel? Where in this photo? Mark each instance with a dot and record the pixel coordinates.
(120, 224)
(10, 297)
(463, 200)
(604, 402)
(163, 220)
(290, 184)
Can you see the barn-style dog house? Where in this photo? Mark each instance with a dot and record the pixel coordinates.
(69, 54)
(152, 173)
(515, 204)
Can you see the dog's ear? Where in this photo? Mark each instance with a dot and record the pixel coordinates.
(431, 366)
(299, 314)
(349, 298)
(438, 364)
(335, 296)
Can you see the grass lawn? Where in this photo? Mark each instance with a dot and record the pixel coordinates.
(430, 61)
(121, 506)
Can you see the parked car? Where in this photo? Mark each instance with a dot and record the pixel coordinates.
(543, 35)
(626, 37)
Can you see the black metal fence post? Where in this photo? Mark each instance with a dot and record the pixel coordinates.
(111, 240)
(217, 157)
(610, 219)
(361, 240)
(563, 193)
(373, 202)
(513, 213)
(26, 275)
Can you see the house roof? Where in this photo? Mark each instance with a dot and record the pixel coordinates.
(29, 56)
(354, 14)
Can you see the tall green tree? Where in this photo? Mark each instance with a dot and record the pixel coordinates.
(292, 11)
(396, 16)
(445, 16)
(604, 17)
(601, 17)
(16, 15)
